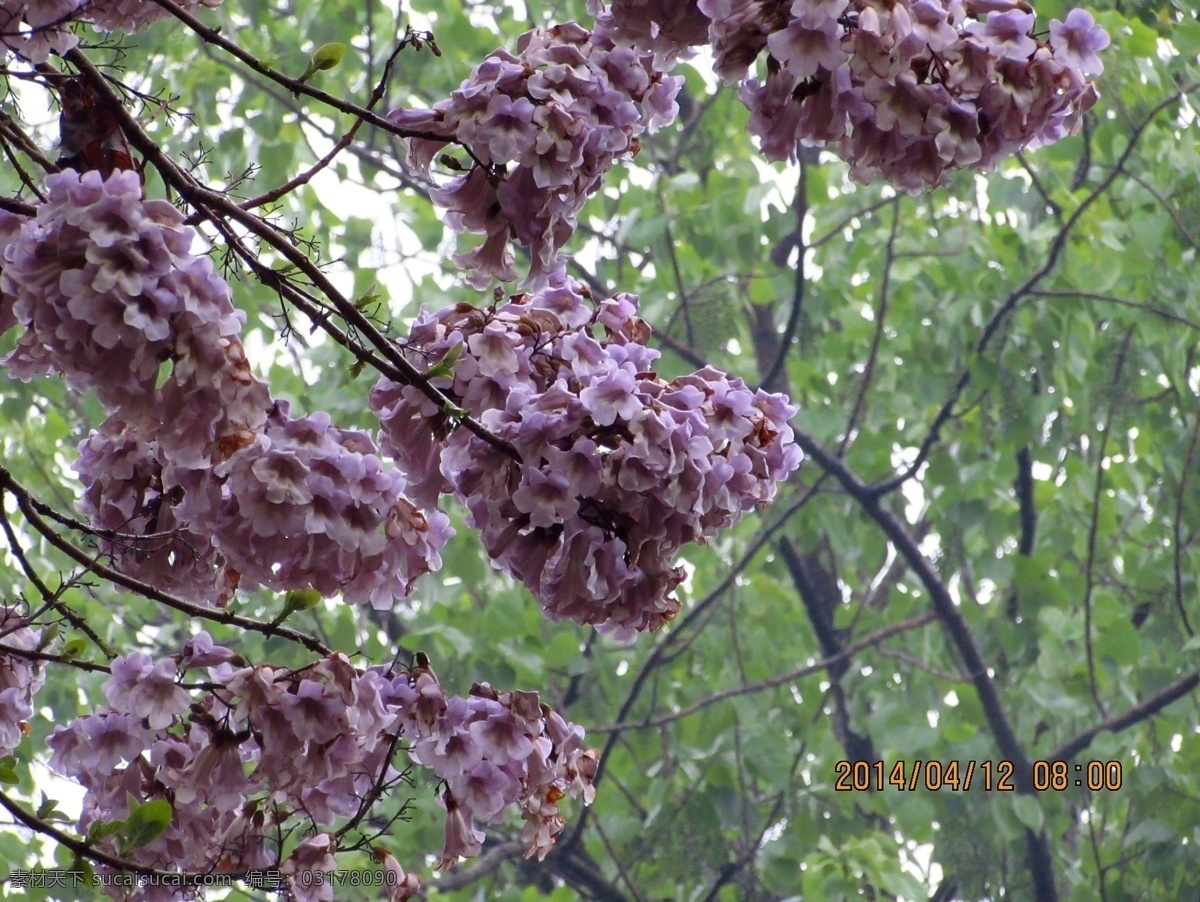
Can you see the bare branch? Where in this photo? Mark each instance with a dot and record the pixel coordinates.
(25, 505)
(822, 664)
(992, 327)
(1144, 710)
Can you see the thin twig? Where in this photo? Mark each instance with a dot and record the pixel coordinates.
(1177, 539)
(1171, 211)
(82, 849)
(186, 607)
(1094, 525)
(1124, 302)
(50, 598)
(305, 177)
(992, 327)
(876, 339)
(1136, 714)
(294, 85)
(215, 206)
(798, 283)
(845, 654)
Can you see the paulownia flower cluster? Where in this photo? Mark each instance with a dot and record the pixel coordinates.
(543, 127)
(202, 481)
(20, 677)
(619, 468)
(906, 90)
(34, 29)
(262, 747)
(599, 470)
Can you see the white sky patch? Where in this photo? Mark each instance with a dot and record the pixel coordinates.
(689, 573)
(774, 833)
(914, 494)
(917, 860)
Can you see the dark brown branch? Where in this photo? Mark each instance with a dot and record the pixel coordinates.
(864, 384)
(857, 214)
(685, 304)
(1162, 201)
(17, 207)
(81, 848)
(1142, 711)
(294, 85)
(1123, 302)
(774, 376)
(660, 653)
(145, 589)
(1054, 208)
(1094, 524)
(51, 598)
(216, 206)
(1177, 537)
(14, 132)
(828, 663)
(342, 143)
(992, 327)
(31, 655)
(959, 632)
(1023, 488)
(493, 856)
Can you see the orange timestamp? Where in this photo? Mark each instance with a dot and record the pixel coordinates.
(861, 776)
(991, 776)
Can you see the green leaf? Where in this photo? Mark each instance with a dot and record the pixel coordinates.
(148, 822)
(302, 599)
(1028, 811)
(445, 367)
(563, 649)
(48, 809)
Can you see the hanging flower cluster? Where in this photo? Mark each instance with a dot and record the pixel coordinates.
(543, 128)
(618, 468)
(109, 292)
(305, 505)
(201, 479)
(124, 493)
(494, 750)
(20, 677)
(263, 746)
(33, 29)
(906, 90)
(133, 15)
(671, 29)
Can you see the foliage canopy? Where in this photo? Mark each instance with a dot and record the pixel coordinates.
(991, 553)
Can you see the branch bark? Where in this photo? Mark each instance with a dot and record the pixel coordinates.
(957, 630)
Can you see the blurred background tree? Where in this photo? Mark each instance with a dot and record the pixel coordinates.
(1004, 369)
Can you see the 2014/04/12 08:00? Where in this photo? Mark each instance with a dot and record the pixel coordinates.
(862, 776)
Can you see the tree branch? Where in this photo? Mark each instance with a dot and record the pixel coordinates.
(956, 628)
(773, 375)
(1142, 711)
(1026, 288)
(215, 205)
(830, 663)
(25, 505)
